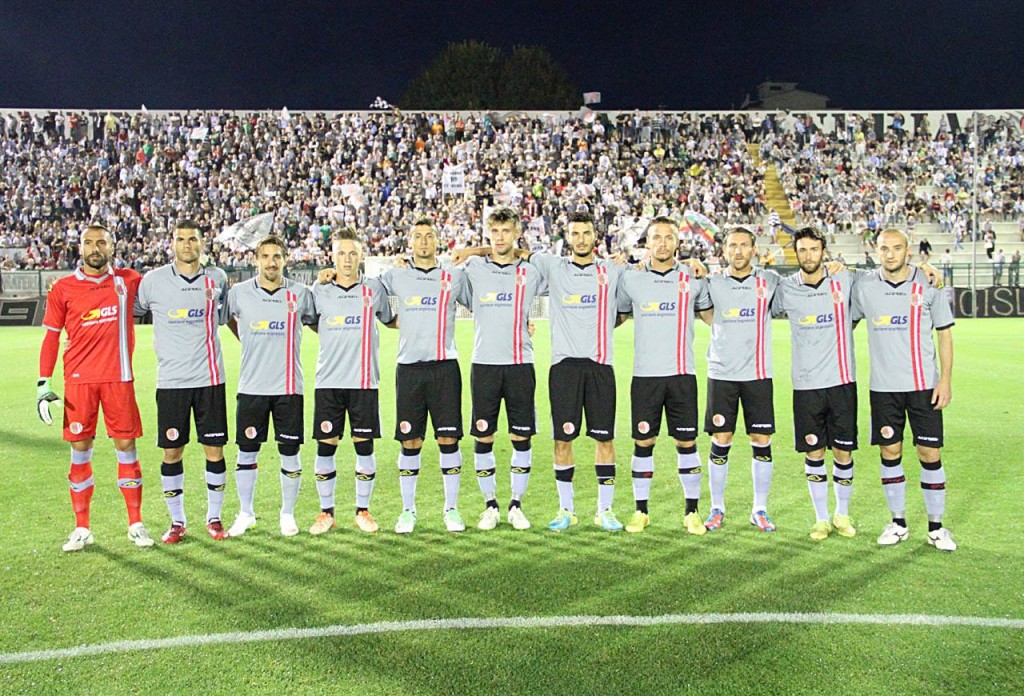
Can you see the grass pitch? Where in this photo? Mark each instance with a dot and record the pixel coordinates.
(113, 591)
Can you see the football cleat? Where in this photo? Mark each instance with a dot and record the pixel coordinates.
(608, 521)
(821, 530)
(324, 522)
(517, 519)
(453, 520)
(365, 522)
(489, 518)
(762, 521)
(79, 538)
(215, 528)
(139, 536)
(174, 535)
(942, 539)
(289, 527)
(406, 522)
(715, 520)
(243, 523)
(694, 525)
(843, 525)
(638, 522)
(893, 534)
(563, 520)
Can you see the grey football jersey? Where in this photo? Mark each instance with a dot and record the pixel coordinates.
(426, 311)
(821, 329)
(270, 326)
(500, 296)
(186, 314)
(663, 306)
(741, 332)
(349, 356)
(582, 307)
(900, 319)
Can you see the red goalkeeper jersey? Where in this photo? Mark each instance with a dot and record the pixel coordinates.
(96, 312)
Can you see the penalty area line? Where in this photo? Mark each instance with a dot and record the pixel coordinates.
(816, 618)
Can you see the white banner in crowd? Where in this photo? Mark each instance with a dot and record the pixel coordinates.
(454, 181)
(247, 233)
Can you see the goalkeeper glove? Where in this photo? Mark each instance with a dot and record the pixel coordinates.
(44, 397)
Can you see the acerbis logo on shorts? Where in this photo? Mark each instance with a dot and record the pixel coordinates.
(76, 428)
(568, 428)
(325, 426)
(927, 438)
(811, 439)
(481, 424)
(250, 432)
(718, 419)
(643, 427)
(887, 431)
(172, 433)
(405, 426)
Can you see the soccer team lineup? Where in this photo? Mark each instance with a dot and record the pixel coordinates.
(90, 316)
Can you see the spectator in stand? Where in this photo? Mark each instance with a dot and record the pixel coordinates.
(924, 248)
(1014, 279)
(998, 262)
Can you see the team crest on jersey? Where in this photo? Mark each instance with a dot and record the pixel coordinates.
(915, 299)
(481, 424)
(811, 439)
(684, 284)
(292, 307)
(602, 279)
(211, 293)
(367, 301)
(837, 296)
(520, 279)
(643, 427)
(75, 428)
(172, 433)
(325, 426)
(250, 432)
(568, 428)
(120, 289)
(762, 292)
(405, 427)
(446, 285)
(718, 419)
(887, 431)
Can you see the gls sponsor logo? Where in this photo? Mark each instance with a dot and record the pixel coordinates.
(186, 313)
(658, 307)
(578, 299)
(496, 297)
(812, 319)
(267, 325)
(416, 301)
(737, 312)
(341, 320)
(887, 320)
(100, 313)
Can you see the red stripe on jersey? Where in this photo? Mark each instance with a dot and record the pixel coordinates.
(839, 313)
(761, 288)
(681, 323)
(916, 366)
(211, 331)
(602, 318)
(365, 353)
(517, 316)
(289, 369)
(442, 313)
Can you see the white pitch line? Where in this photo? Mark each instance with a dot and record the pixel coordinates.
(512, 622)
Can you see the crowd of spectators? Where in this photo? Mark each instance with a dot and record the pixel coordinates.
(139, 172)
(852, 180)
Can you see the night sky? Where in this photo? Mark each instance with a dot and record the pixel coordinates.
(639, 54)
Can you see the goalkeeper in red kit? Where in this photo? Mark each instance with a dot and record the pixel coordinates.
(94, 306)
